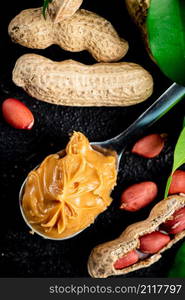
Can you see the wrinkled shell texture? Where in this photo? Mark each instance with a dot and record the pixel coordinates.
(138, 11)
(72, 83)
(102, 257)
(62, 9)
(83, 31)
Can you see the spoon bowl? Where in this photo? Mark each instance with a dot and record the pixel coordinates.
(33, 230)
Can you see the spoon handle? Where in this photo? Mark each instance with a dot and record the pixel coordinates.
(159, 108)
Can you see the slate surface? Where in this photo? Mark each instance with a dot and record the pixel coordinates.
(22, 254)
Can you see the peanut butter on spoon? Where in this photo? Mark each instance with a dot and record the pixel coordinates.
(67, 192)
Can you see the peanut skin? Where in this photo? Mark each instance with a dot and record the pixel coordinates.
(127, 260)
(178, 183)
(138, 195)
(153, 242)
(17, 114)
(103, 257)
(150, 244)
(149, 146)
(75, 84)
(176, 223)
(82, 31)
(63, 9)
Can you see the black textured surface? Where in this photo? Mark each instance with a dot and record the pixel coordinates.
(22, 254)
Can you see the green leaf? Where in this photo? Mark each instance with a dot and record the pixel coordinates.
(166, 33)
(178, 267)
(168, 186)
(179, 154)
(45, 6)
(179, 158)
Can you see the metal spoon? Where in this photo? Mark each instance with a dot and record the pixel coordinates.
(160, 107)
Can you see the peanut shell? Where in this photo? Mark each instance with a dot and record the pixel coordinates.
(82, 31)
(103, 257)
(75, 84)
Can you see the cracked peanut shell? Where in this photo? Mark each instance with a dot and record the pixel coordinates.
(138, 10)
(102, 258)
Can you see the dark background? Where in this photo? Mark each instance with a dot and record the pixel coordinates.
(25, 255)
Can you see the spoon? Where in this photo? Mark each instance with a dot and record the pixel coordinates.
(118, 144)
(159, 108)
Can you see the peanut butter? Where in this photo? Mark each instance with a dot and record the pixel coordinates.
(66, 192)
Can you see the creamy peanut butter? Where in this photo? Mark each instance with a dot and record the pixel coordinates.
(66, 192)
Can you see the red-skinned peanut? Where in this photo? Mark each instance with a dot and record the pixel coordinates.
(127, 260)
(178, 183)
(17, 114)
(138, 196)
(153, 242)
(176, 223)
(149, 146)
